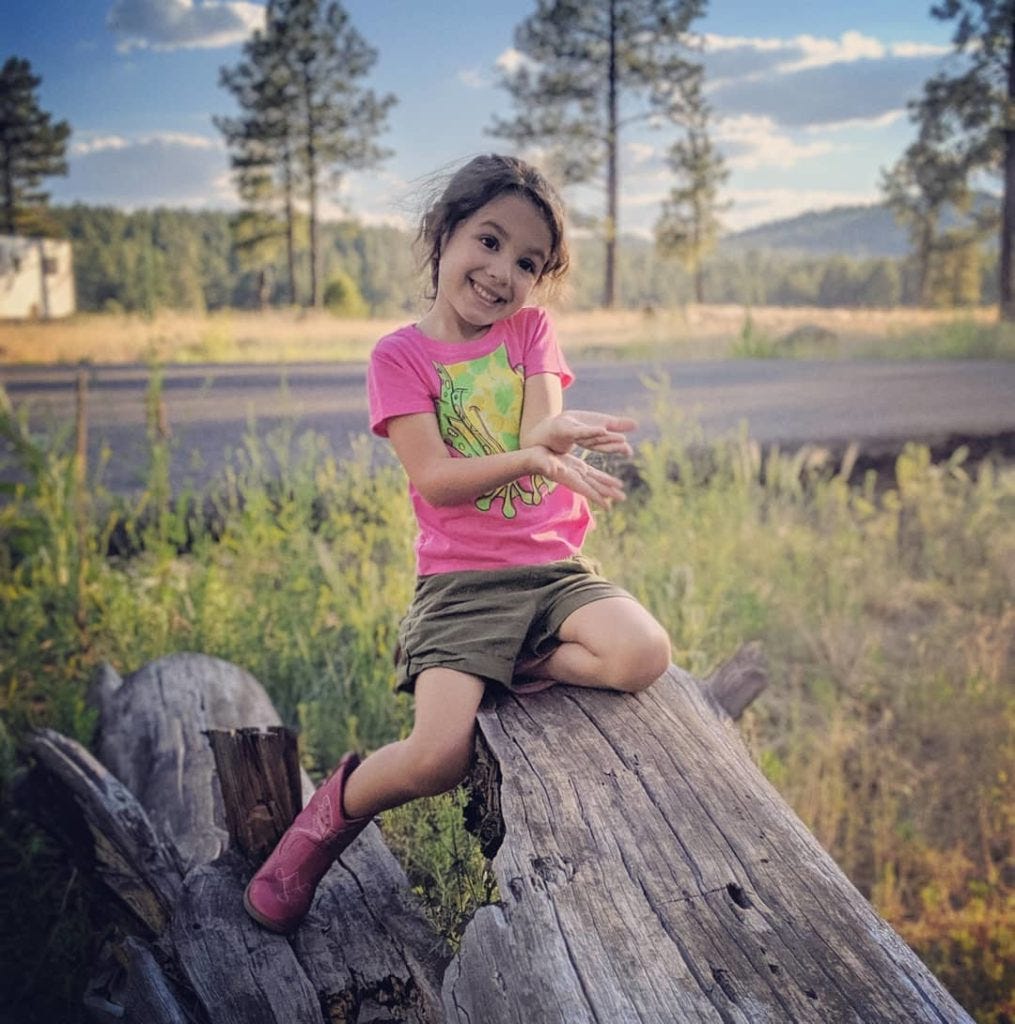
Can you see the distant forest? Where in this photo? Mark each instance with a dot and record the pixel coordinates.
(179, 259)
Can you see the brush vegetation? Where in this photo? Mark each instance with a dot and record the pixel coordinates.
(885, 607)
(687, 332)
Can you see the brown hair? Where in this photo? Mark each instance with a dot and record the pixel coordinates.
(479, 182)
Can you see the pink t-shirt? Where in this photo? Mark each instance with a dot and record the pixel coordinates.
(475, 389)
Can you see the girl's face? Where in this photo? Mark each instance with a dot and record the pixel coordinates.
(488, 268)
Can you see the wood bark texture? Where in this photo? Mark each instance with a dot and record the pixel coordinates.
(152, 833)
(649, 873)
(259, 775)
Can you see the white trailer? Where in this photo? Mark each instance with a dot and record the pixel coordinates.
(36, 278)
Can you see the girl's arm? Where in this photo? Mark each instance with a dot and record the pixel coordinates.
(445, 480)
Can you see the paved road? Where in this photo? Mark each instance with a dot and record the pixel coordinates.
(209, 409)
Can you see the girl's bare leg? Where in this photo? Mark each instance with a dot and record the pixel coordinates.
(433, 758)
(610, 644)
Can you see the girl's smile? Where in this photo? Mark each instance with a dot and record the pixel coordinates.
(488, 268)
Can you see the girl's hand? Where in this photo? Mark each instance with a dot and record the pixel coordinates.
(570, 471)
(596, 431)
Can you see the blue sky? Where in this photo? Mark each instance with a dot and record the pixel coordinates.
(809, 99)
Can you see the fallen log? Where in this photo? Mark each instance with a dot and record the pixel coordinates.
(150, 827)
(647, 872)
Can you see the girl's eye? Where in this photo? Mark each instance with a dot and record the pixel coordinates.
(488, 241)
(528, 266)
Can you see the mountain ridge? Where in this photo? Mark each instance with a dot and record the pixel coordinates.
(861, 231)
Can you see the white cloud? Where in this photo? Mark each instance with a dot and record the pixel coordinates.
(885, 120)
(473, 78)
(750, 142)
(716, 44)
(375, 197)
(183, 139)
(182, 24)
(822, 93)
(918, 50)
(91, 144)
(640, 153)
(815, 52)
(754, 206)
(82, 147)
(155, 169)
(796, 53)
(512, 60)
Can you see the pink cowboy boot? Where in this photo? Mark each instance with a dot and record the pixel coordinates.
(280, 894)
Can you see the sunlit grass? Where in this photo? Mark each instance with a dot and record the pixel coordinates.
(885, 608)
(693, 332)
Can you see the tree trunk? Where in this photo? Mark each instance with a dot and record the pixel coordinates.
(152, 833)
(1007, 262)
(648, 873)
(290, 224)
(612, 141)
(10, 212)
(312, 171)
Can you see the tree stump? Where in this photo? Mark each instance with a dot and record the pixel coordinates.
(259, 775)
(149, 826)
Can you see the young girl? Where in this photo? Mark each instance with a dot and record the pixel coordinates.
(471, 399)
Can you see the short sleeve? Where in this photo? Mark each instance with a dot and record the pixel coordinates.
(395, 385)
(542, 352)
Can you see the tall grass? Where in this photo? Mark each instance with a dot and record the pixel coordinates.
(963, 338)
(688, 332)
(885, 607)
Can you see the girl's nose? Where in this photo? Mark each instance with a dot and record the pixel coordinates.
(500, 268)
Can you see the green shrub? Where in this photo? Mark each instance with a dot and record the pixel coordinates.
(343, 297)
(753, 343)
(885, 608)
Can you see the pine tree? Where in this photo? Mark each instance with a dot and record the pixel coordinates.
(920, 189)
(588, 69)
(307, 118)
(31, 147)
(966, 126)
(688, 226)
(262, 142)
(337, 119)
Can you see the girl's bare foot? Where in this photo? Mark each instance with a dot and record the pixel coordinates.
(528, 678)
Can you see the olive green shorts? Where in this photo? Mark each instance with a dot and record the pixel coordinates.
(483, 621)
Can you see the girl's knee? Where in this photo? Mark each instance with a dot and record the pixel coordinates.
(641, 657)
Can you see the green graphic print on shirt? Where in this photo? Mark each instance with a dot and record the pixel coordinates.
(479, 412)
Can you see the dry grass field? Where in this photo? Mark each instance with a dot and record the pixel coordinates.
(288, 336)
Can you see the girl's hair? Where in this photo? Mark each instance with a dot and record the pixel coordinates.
(480, 181)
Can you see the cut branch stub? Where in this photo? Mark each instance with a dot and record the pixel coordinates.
(736, 683)
(259, 773)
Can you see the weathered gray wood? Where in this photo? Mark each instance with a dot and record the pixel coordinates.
(737, 683)
(259, 774)
(105, 829)
(367, 953)
(151, 737)
(148, 995)
(333, 944)
(240, 972)
(649, 873)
